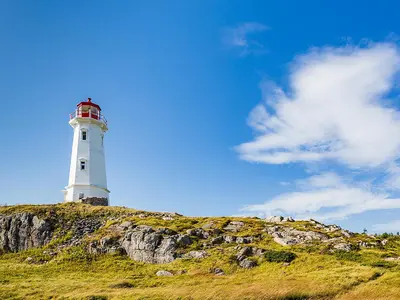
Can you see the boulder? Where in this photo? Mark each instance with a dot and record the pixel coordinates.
(198, 232)
(217, 240)
(234, 226)
(229, 239)
(164, 273)
(146, 245)
(184, 239)
(343, 247)
(278, 219)
(247, 263)
(196, 254)
(217, 271)
(287, 236)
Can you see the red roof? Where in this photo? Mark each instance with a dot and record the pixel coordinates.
(90, 103)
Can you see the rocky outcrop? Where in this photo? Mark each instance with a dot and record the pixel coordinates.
(287, 236)
(243, 256)
(145, 244)
(23, 231)
(234, 226)
(343, 247)
(198, 232)
(106, 245)
(278, 219)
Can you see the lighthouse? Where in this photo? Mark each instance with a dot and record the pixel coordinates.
(87, 173)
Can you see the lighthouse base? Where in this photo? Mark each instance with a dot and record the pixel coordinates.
(95, 201)
(78, 193)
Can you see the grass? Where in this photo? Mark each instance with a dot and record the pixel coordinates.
(73, 273)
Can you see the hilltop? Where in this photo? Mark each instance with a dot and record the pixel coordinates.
(78, 251)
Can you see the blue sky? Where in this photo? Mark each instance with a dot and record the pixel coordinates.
(214, 107)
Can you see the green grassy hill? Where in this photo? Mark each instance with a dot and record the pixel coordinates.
(76, 251)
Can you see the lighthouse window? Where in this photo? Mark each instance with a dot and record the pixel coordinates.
(84, 135)
(83, 165)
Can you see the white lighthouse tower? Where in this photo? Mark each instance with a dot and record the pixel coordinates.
(87, 174)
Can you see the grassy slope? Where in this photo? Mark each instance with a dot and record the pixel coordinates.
(75, 274)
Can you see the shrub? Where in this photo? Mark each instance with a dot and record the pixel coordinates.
(96, 297)
(383, 264)
(122, 285)
(279, 256)
(294, 297)
(375, 276)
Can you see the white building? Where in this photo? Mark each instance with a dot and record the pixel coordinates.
(87, 174)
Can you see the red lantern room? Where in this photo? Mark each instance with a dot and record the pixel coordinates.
(88, 109)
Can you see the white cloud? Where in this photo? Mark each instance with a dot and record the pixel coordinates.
(242, 37)
(335, 109)
(393, 226)
(326, 197)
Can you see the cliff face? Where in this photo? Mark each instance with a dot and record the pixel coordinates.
(22, 231)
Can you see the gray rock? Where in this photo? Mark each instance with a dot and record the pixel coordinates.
(364, 244)
(332, 228)
(146, 245)
(346, 233)
(274, 219)
(106, 245)
(289, 236)
(23, 231)
(278, 219)
(229, 239)
(247, 263)
(184, 239)
(243, 253)
(125, 225)
(384, 242)
(343, 247)
(196, 254)
(234, 226)
(199, 232)
(217, 240)
(248, 251)
(244, 239)
(218, 271)
(164, 273)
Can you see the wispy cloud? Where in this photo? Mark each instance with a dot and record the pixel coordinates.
(335, 110)
(325, 197)
(243, 38)
(393, 226)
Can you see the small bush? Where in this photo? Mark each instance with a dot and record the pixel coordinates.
(122, 285)
(383, 264)
(375, 276)
(96, 297)
(351, 256)
(279, 256)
